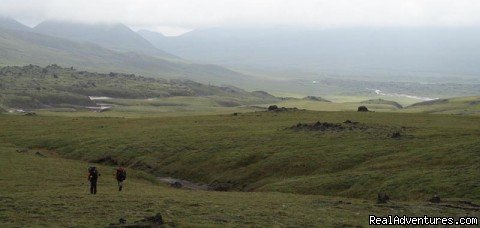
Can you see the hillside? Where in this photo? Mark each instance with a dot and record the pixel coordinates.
(65, 202)
(112, 36)
(53, 86)
(24, 47)
(382, 101)
(277, 151)
(9, 23)
(458, 105)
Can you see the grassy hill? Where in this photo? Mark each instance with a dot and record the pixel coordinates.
(382, 101)
(271, 151)
(45, 190)
(459, 105)
(53, 86)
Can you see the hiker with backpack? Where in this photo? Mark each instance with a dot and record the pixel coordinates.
(120, 175)
(93, 178)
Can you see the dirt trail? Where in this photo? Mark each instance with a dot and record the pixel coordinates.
(185, 184)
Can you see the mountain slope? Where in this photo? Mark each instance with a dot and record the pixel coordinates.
(353, 51)
(113, 36)
(9, 23)
(23, 47)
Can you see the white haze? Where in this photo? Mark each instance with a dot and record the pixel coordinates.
(178, 16)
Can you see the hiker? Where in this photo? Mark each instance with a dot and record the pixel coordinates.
(93, 177)
(120, 175)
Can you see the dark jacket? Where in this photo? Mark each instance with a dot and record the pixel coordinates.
(93, 176)
(121, 174)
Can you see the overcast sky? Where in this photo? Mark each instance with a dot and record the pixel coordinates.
(176, 16)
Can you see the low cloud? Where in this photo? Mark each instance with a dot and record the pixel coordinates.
(178, 15)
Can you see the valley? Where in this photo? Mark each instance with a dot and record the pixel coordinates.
(267, 125)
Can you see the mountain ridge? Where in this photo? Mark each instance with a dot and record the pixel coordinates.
(22, 47)
(115, 36)
(346, 51)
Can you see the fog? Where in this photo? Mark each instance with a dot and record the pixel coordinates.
(173, 17)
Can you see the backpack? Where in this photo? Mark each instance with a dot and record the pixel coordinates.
(92, 173)
(121, 174)
(92, 170)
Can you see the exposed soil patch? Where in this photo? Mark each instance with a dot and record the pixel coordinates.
(348, 126)
(177, 183)
(152, 221)
(108, 160)
(325, 126)
(274, 108)
(464, 205)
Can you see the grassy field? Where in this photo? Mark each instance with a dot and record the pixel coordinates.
(457, 105)
(158, 107)
(258, 151)
(41, 191)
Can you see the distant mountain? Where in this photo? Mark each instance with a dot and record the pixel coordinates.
(9, 23)
(113, 36)
(154, 37)
(19, 47)
(398, 52)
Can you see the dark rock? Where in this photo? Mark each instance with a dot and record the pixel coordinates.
(106, 160)
(362, 109)
(382, 197)
(272, 108)
(176, 184)
(235, 114)
(154, 220)
(350, 122)
(39, 154)
(319, 126)
(22, 150)
(395, 135)
(435, 199)
(222, 187)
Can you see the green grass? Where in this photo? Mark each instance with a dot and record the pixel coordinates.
(438, 154)
(457, 105)
(334, 106)
(53, 192)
